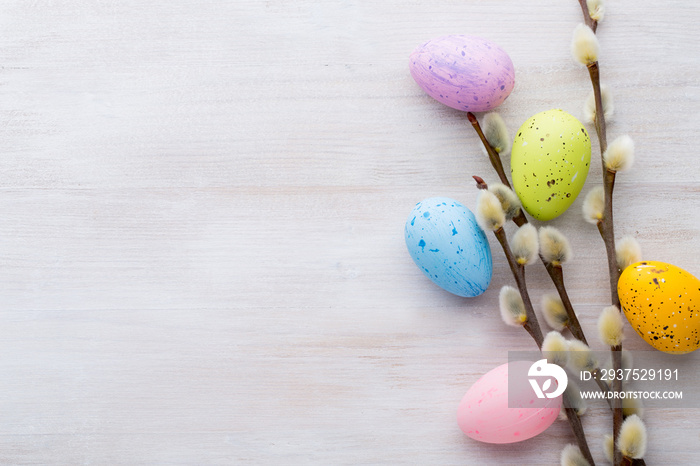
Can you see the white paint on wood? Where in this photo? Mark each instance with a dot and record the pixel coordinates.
(201, 225)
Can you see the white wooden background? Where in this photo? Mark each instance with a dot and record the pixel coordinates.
(201, 224)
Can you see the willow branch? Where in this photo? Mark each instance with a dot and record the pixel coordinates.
(590, 22)
(493, 155)
(577, 428)
(617, 401)
(532, 327)
(607, 232)
(520, 220)
(630, 461)
(557, 275)
(599, 120)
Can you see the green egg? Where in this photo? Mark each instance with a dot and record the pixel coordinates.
(549, 163)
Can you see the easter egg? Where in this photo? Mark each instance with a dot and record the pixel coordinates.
(446, 243)
(463, 72)
(662, 303)
(549, 163)
(484, 413)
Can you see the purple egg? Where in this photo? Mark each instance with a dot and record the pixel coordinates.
(463, 72)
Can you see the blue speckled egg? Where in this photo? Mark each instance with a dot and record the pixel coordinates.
(446, 243)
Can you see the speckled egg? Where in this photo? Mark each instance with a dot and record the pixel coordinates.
(463, 72)
(484, 413)
(549, 163)
(662, 303)
(446, 243)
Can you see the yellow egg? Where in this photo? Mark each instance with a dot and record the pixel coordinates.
(662, 303)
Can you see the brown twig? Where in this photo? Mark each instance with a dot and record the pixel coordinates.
(493, 155)
(599, 121)
(590, 22)
(613, 269)
(607, 232)
(532, 325)
(606, 225)
(480, 183)
(617, 401)
(574, 326)
(577, 428)
(635, 462)
(557, 274)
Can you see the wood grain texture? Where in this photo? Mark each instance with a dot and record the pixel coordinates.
(201, 231)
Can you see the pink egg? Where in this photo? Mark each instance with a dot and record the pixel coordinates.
(463, 72)
(484, 415)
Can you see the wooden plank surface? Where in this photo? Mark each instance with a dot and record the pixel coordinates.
(201, 225)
